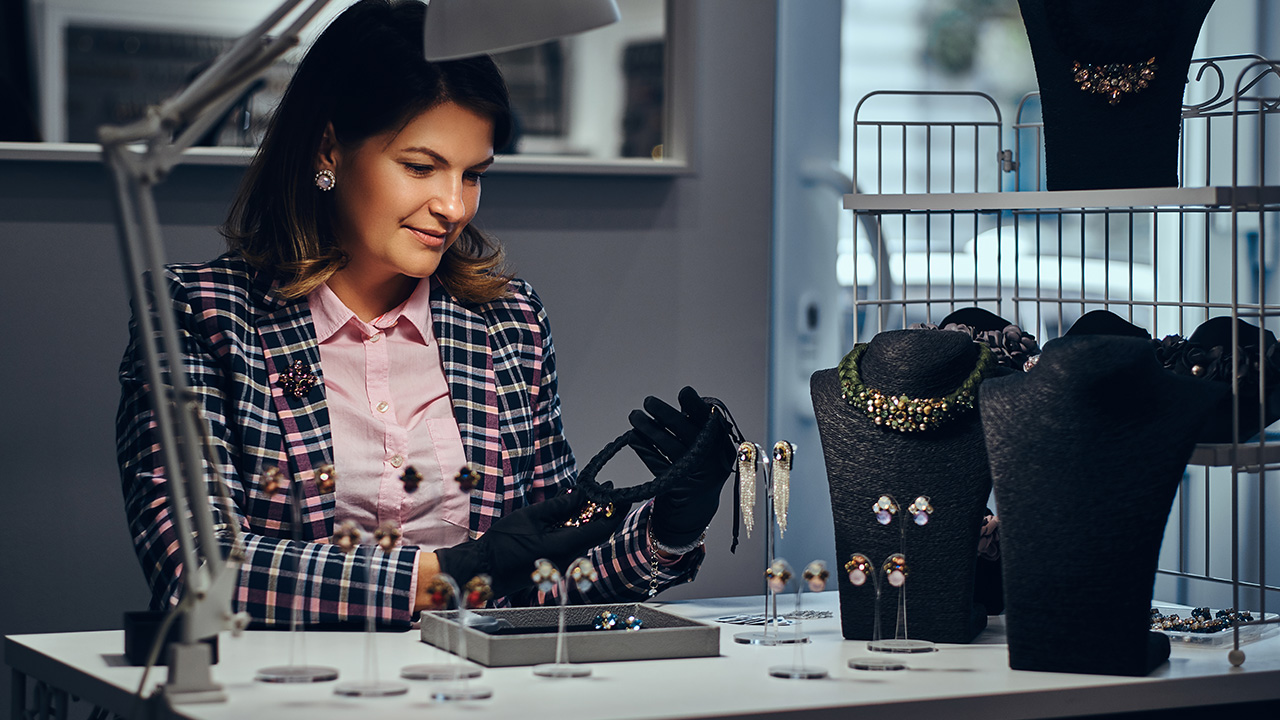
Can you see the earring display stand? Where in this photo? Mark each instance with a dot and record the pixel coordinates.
(900, 642)
(297, 670)
(797, 670)
(562, 668)
(771, 619)
(876, 663)
(455, 674)
(371, 686)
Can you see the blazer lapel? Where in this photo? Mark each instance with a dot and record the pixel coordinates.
(468, 367)
(296, 386)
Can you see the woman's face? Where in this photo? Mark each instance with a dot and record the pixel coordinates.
(403, 197)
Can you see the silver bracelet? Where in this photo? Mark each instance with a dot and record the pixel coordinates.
(677, 550)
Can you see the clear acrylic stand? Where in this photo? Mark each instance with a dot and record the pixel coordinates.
(455, 675)
(371, 686)
(797, 670)
(900, 642)
(561, 668)
(297, 670)
(874, 663)
(771, 619)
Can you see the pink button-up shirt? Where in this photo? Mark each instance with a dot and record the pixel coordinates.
(389, 408)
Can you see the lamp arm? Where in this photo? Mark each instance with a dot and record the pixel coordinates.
(252, 52)
(234, 69)
(184, 435)
(136, 273)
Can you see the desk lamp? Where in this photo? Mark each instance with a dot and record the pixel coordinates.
(139, 156)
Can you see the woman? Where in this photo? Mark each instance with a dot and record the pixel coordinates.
(360, 321)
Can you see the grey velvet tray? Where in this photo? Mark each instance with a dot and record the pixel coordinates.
(663, 636)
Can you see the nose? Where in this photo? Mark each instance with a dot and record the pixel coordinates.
(447, 201)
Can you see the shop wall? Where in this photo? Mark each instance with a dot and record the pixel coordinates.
(652, 283)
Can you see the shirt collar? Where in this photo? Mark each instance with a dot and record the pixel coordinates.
(417, 310)
(329, 314)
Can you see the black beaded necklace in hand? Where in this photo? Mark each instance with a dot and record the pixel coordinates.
(604, 493)
(690, 452)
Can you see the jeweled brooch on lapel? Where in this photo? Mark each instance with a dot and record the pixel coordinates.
(298, 379)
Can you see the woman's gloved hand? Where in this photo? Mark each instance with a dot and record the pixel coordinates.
(508, 551)
(697, 442)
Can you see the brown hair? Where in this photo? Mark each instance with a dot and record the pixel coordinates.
(365, 74)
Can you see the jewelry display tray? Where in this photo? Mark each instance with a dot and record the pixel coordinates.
(662, 636)
(1222, 638)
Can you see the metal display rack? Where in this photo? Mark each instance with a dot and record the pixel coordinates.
(946, 216)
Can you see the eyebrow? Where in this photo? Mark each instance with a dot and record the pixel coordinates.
(442, 160)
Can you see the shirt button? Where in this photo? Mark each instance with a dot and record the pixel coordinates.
(382, 406)
(396, 461)
(375, 337)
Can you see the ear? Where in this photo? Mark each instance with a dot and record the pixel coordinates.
(327, 154)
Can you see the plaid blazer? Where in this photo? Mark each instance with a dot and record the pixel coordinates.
(239, 336)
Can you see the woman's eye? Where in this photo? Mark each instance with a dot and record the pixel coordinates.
(418, 169)
(473, 176)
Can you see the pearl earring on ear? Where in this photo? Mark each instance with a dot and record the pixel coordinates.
(325, 180)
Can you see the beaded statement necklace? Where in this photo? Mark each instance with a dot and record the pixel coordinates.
(1114, 79)
(907, 414)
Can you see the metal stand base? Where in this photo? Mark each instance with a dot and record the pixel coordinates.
(296, 674)
(793, 672)
(901, 646)
(876, 664)
(440, 672)
(561, 670)
(371, 689)
(760, 638)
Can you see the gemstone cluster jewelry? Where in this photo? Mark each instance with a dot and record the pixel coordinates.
(907, 414)
(591, 510)
(1201, 620)
(1114, 79)
(884, 508)
(297, 379)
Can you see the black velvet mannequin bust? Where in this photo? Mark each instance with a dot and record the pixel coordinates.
(1090, 143)
(1087, 450)
(948, 464)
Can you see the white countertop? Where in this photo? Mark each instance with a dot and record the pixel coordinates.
(956, 681)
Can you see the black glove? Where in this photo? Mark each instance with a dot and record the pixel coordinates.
(508, 551)
(697, 442)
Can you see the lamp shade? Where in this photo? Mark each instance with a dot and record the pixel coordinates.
(461, 28)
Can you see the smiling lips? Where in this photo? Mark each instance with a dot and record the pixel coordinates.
(431, 240)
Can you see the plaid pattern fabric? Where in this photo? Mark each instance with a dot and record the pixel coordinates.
(239, 337)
